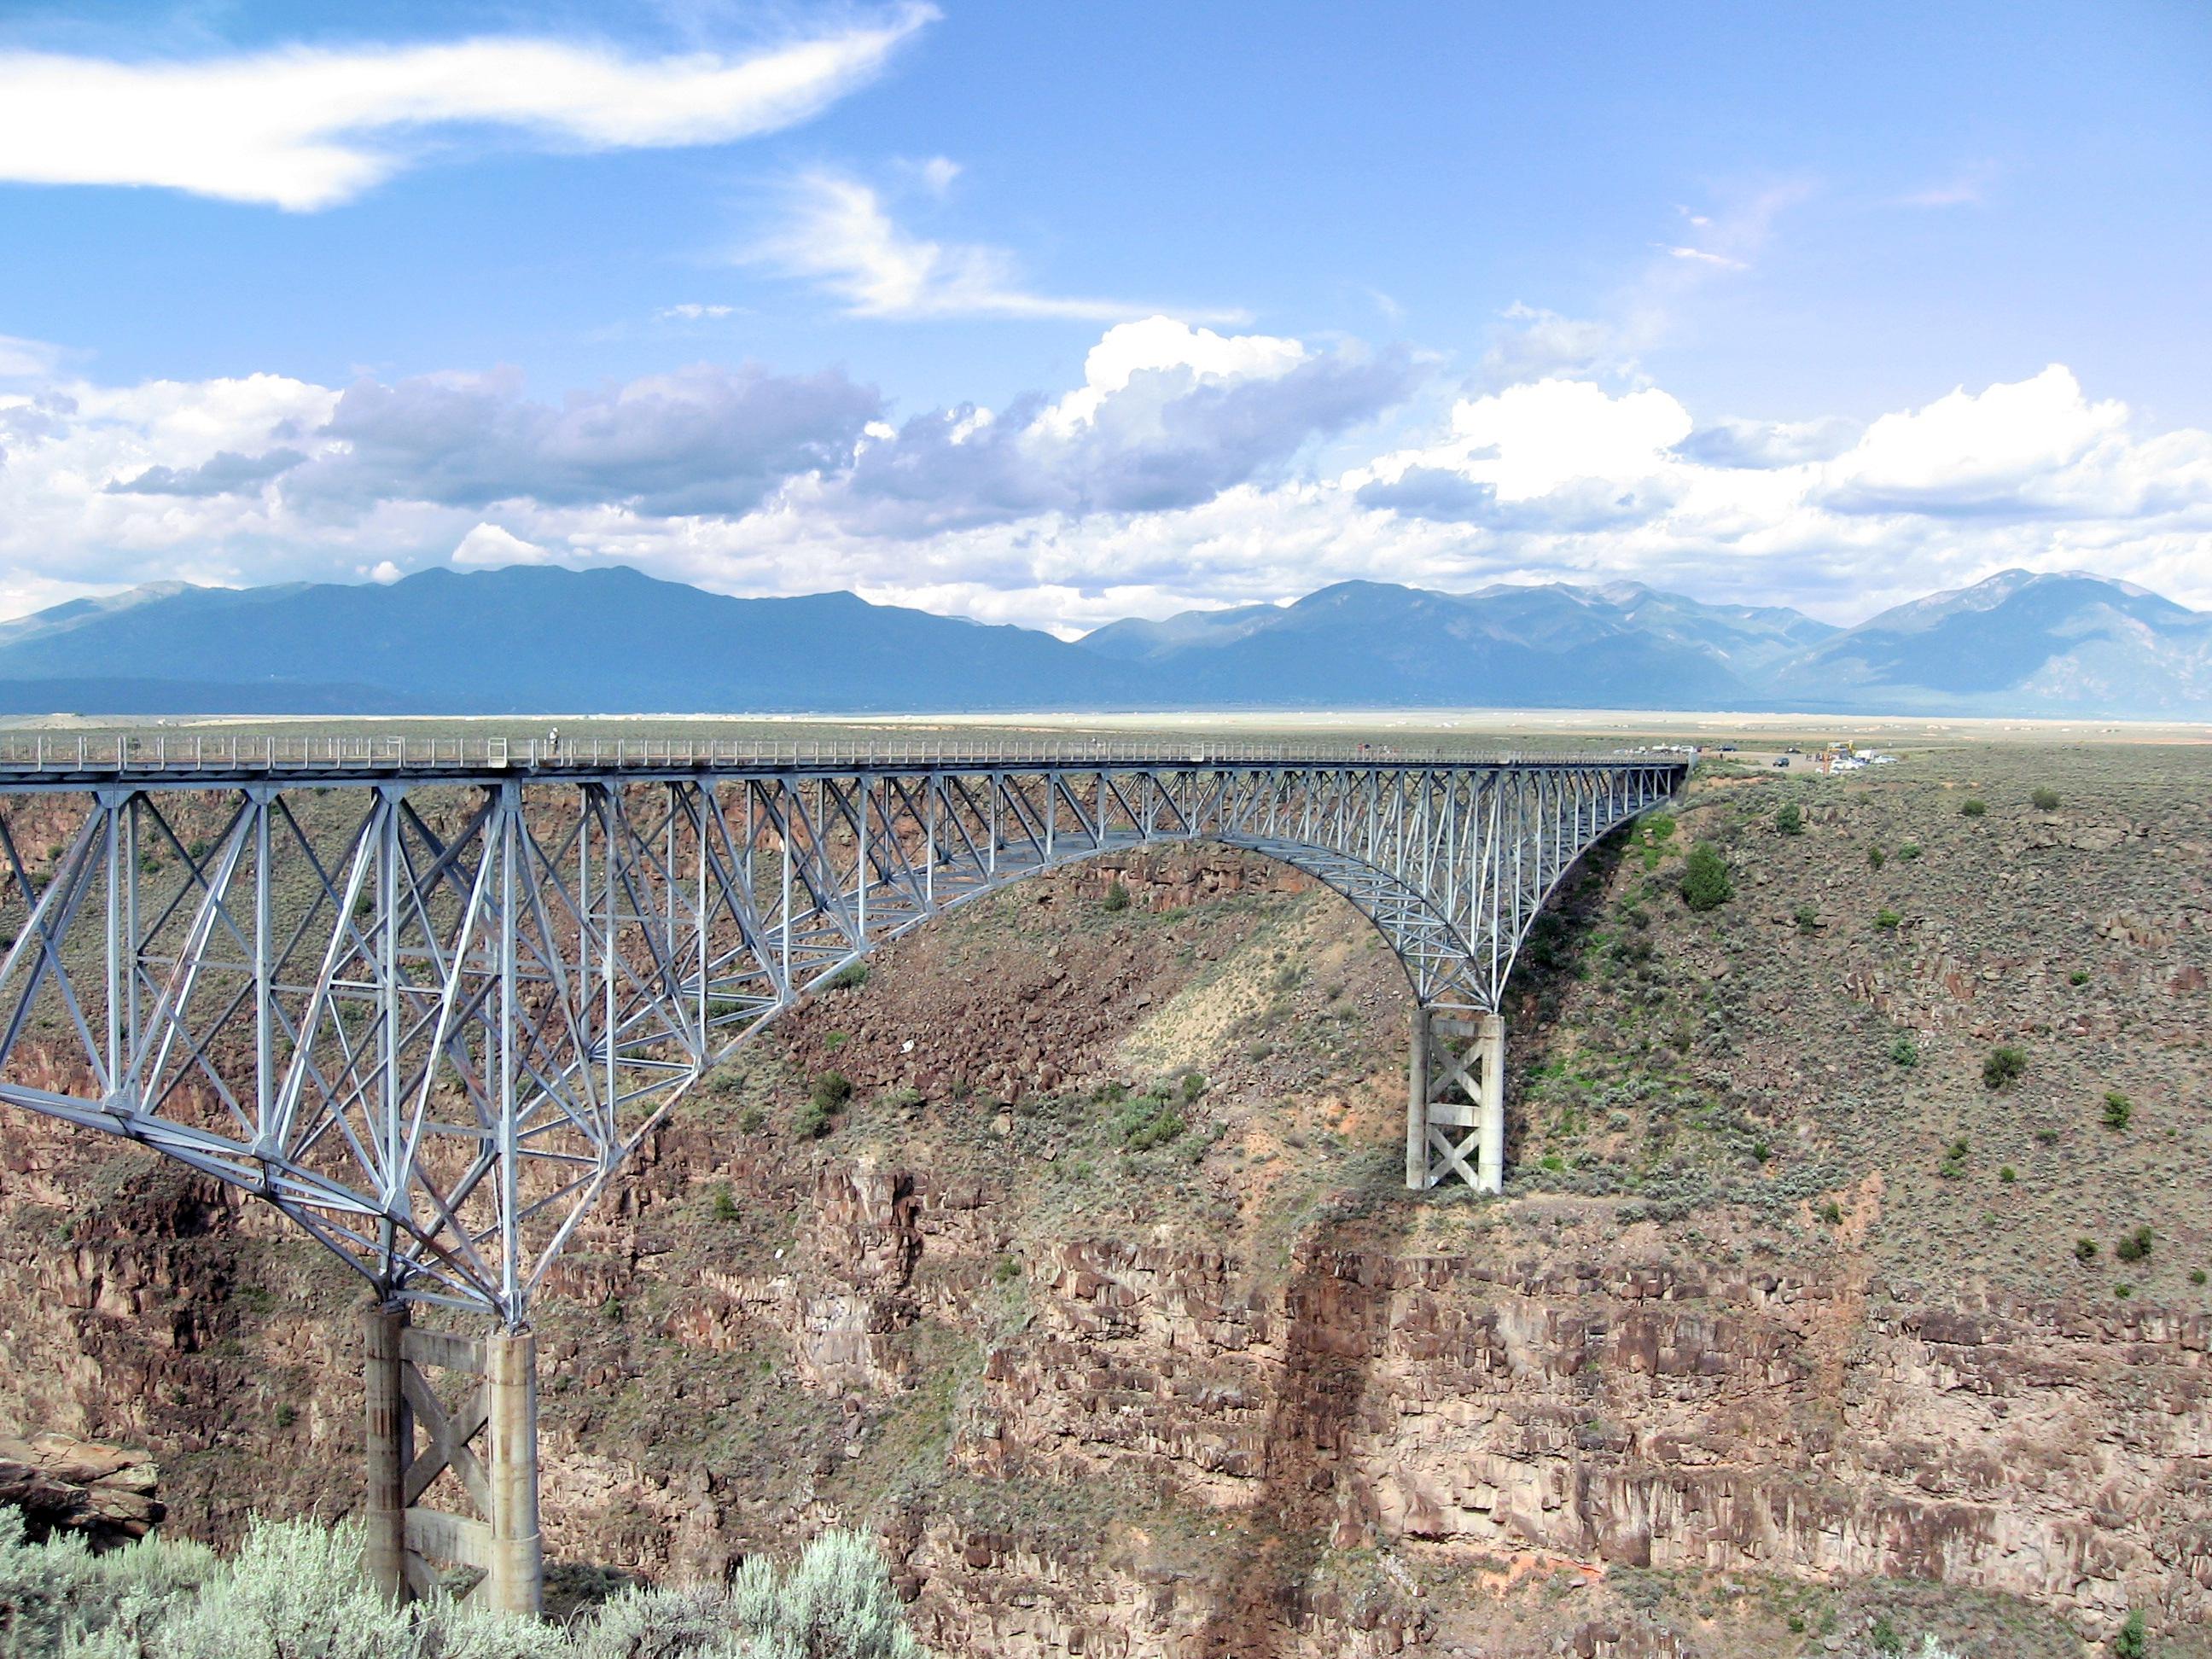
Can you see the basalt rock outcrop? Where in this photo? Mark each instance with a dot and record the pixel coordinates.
(65, 1484)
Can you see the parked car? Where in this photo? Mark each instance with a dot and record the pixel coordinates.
(1781, 760)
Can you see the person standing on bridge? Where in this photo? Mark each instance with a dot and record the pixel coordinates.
(553, 742)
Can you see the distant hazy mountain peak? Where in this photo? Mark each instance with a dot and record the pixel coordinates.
(2018, 642)
(545, 638)
(75, 613)
(1622, 591)
(2006, 587)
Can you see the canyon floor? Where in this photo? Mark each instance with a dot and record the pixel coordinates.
(1101, 1300)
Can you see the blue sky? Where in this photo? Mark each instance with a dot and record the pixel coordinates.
(1052, 314)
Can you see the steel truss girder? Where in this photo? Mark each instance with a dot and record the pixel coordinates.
(429, 1022)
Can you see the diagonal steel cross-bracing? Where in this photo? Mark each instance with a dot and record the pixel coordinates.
(426, 1006)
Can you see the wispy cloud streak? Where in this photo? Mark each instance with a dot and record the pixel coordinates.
(305, 130)
(837, 234)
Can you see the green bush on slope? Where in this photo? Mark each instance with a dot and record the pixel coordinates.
(1706, 882)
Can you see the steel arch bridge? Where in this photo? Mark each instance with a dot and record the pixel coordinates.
(427, 1000)
(426, 996)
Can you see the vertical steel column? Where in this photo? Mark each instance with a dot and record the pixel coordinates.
(673, 802)
(131, 853)
(515, 1581)
(783, 839)
(1417, 1103)
(384, 1554)
(705, 810)
(264, 1001)
(107, 805)
(585, 941)
(390, 1106)
(609, 803)
(932, 796)
(506, 824)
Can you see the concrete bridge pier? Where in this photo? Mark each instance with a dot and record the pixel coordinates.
(515, 1581)
(390, 1438)
(1456, 1098)
(498, 1410)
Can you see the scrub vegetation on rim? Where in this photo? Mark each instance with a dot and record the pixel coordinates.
(297, 1587)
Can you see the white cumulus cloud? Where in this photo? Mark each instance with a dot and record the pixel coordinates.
(1163, 345)
(2017, 446)
(491, 545)
(1189, 467)
(1531, 440)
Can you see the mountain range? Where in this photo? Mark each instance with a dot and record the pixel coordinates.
(540, 638)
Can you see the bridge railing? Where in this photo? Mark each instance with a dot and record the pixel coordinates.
(234, 754)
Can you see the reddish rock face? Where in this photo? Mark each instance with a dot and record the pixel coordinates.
(62, 1485)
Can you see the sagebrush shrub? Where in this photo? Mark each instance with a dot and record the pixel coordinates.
(292, 1587)
(835, 1602)
(296, 1590)
(39, 1584)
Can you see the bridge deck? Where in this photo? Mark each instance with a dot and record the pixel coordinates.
(185, 762)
